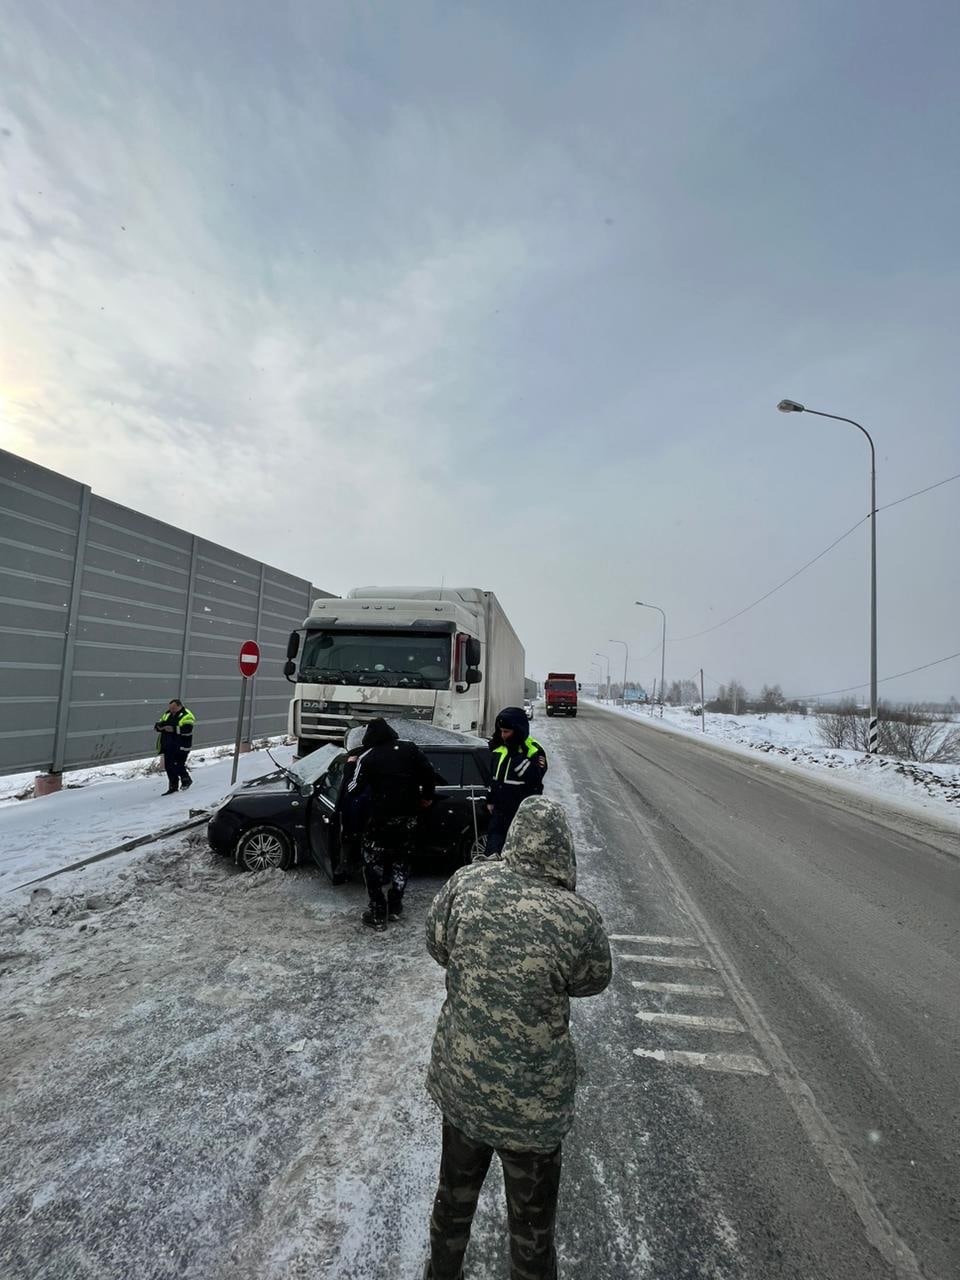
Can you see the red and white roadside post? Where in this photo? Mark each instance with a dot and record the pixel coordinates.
(248, 662)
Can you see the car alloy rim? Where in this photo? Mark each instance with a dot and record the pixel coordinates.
(263, 851)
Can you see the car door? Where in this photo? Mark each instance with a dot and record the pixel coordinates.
(442, 825)
(323, 826)
(476, 784)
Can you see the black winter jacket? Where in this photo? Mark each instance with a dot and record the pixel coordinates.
(391, 776)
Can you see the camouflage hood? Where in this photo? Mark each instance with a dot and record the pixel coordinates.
(540, 843)
(517, 942)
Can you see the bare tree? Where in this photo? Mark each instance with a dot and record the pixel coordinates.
(690, 692)
(837, 726)
(906, 733)
(771, 698)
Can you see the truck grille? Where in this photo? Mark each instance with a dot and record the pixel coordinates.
(329, 721)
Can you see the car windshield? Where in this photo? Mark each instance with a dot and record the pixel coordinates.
(309, 768)
(419, 661)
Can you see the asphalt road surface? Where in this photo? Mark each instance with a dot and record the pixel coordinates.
(820, 1130)
(210, 1075)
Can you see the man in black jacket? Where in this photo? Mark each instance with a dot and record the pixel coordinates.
(517, 766)
(395, 781)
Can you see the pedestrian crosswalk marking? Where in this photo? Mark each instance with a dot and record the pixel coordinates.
(671, 962)
(738, 1063)
(703, 1021)
(679, 988)
(651, 939)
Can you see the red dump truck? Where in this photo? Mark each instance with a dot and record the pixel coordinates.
(560, 693)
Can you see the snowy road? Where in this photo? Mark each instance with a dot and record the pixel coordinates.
(211, 1075)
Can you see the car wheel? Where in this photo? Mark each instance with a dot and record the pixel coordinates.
(264, 849)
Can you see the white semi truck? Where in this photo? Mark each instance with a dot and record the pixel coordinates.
(447, 655)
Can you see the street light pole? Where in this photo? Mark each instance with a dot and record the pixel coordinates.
(599, 669)
(626, 659)
(663, 645)
(606, 658)
(791, 406)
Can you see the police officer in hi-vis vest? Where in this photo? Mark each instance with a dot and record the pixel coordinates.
(174, 740)
(518, 765)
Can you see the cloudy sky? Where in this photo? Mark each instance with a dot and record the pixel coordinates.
(506, 294)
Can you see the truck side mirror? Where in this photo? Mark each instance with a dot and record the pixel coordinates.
(289, 667)
(579, 688)
(473, 676)
(293, 647)
(473, 655)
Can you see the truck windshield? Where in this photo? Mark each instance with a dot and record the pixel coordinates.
(376, 657)
(561, 686)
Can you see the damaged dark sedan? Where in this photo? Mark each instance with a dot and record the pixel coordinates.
(295, 817)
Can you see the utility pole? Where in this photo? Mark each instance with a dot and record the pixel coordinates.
(703, 706)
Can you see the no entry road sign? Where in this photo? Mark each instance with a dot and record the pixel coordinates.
(249, 657)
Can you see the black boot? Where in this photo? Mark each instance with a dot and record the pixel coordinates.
(375, 917)
(169, 791)
(394, 909)
(187, 782)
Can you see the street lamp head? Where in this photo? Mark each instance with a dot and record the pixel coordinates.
(790, 406)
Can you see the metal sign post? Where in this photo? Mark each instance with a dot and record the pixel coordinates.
(248, 662)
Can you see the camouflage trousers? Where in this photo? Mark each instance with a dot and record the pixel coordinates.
(531, 1180)
(386, 850)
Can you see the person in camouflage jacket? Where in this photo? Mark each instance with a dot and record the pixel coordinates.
(517, 942)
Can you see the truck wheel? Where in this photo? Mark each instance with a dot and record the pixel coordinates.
(573, 713)
(264, 849)
(549, 711)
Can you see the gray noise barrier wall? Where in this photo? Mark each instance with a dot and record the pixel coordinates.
(106, 614)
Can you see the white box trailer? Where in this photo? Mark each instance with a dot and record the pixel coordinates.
(444, 655)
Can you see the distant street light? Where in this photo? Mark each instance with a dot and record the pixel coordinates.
(626, 659)
(663, 645)
(791, 406)
(605, 657)
(598, 667)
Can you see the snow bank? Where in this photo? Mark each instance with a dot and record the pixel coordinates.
(101, 808)
(933, 789)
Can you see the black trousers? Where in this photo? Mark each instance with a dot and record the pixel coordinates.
(531, 1180)
(175, 764)
(497, 829)
(386, 849)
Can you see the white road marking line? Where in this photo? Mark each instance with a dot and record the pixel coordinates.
(679, 988)
(705, 1022)
(739, 1063)
(671, 962)
(839, 1164)
(653, 940)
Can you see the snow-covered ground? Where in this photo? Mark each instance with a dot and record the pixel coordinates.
(210, 1074)
(794, 742)
(101, 808)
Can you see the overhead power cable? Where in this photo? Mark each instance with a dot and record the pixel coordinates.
(796, 574)
(852, 687)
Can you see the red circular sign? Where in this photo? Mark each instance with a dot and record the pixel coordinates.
(249, 657)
